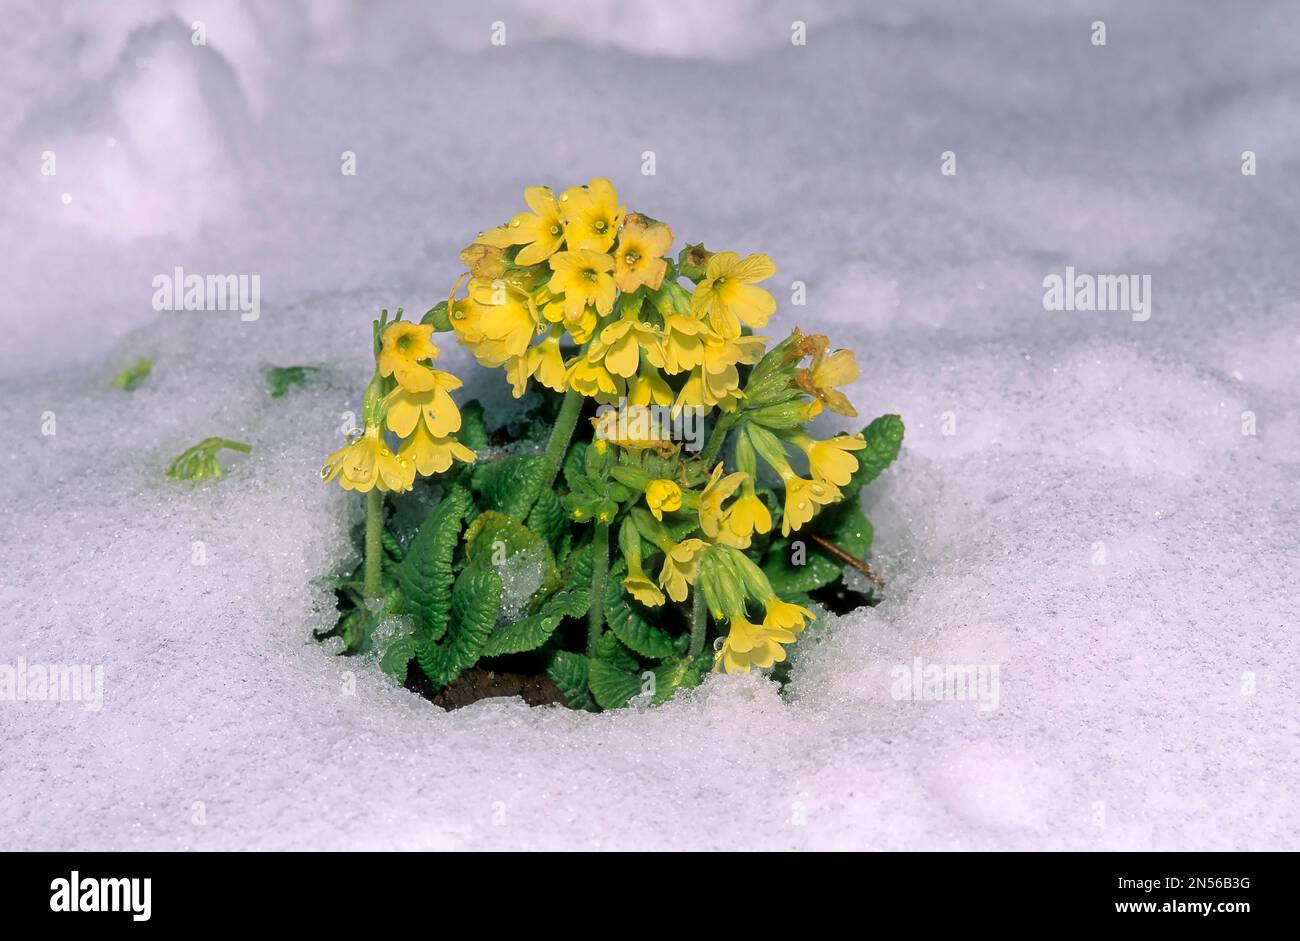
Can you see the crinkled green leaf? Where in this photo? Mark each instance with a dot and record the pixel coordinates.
(575, 462)
(495, 532)
(548, 517)
(425, 575)
(473, 428)
(398, 656)
(884, 437)
(475, 604)
(611, 686)
(609, 649)
(392, 547)
(530, 632)
(628, 622)
(568, 671)
(496, 538)
(510, 484)
(679, 673)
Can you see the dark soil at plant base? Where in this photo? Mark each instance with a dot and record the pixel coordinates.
(477, 683)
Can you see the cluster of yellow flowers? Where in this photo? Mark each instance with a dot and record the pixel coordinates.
(729, 525)
(414, 401)
(581, 273)
(575, 255)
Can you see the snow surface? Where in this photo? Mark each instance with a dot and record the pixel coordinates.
(1149, 702)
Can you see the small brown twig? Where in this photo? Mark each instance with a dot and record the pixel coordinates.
(861, 566)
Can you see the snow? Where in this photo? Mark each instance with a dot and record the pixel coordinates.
(1077, 505)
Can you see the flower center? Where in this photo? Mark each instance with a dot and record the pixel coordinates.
(590, 274)
(601, 226)
(631, 258)
(555, 230)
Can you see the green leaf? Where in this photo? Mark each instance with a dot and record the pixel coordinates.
(391, 545)
(611, 686)
(548, 517)
(529, 633)
(843, 524)
(279, 379)
(425, 575)
(473, 427)
(129, 379)
(568, 671)
(495, 538)
(679, 673)
(475, 604)
(575, 463)
(398, 657)
(510, 484)
(355, 629)
(437, 315)
(884, 437)
(577, 570)
(609, 649)
(493, 531)
(625, 618)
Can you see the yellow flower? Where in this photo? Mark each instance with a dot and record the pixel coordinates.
(541, 230)
(498, 237)
(824, 374)
(716, 381)
(636, 432)
(715, 493)
(786, 616)
(649, 388)
(506, 319)
(436, 406)
(728, 296)
(542, 360)
(367, 463)
(402, 346)
(749, 514)
(592, 216)
(593, 380)
(802, 498)
(639, 259)
(583, 278)
(494, 322)
(432, 454)
(681, 345)
(483, 260)
(620, 345)
(751, 645)
(643, 590)
(663, 496)
(830, 460)
(704, 391)
(681, 567)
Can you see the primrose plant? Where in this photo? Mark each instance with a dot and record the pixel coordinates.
(625, 560)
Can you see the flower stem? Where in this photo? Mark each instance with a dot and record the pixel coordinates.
(373, 586)
(599, 570)
(718, 437)
(699, 623)
(561, 435)
(835, 550)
